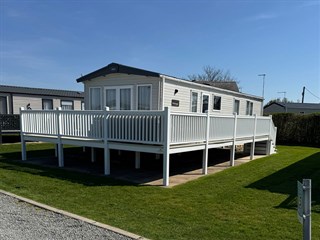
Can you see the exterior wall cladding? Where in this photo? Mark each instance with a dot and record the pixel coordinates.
(177, 90)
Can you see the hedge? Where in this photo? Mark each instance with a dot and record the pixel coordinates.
(297, 129)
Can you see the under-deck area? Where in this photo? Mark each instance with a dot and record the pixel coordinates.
(157, 132)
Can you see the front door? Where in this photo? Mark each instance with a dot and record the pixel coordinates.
(118, 98)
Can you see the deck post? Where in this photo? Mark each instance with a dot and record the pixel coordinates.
(166, 146)
(93, 155)
(233, 147)
(60, 145)
(23, 142)
(205, 151)
(137, 160)
(269, 145)
(253, 144)
(106, 144)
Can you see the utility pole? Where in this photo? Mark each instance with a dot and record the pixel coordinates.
(304, 88)
(263, 75)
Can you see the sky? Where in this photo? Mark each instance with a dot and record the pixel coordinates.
(51, 43)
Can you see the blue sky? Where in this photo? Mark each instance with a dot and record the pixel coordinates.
(51, 43)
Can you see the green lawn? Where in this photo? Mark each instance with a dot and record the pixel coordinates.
(252, 201)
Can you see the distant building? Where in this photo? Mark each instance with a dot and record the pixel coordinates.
(300, 108)
(14, 97)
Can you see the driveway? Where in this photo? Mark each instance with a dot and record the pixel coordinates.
(20, 220)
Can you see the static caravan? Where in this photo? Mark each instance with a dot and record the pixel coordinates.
(14, 97)
(137, 110)
(126, 88)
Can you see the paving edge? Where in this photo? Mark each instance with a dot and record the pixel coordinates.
(71, 215)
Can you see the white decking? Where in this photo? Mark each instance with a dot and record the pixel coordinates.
(160, 132)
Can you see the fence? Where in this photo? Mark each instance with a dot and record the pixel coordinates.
(146, 127)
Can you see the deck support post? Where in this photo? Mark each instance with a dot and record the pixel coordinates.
(106, 160)
(253, 144)
(137, 160)
(93, 155)
(59, 144)
(60, 155)
(106, 144)
(166, 146)
(205, 151)
(23, 142)
(233, 147)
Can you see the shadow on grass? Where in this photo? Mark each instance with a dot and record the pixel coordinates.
(285, 180)
(43, 163)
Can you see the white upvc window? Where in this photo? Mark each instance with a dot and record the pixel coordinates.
(205, 102)
(47, 104)
(216, 102)
(3, 105)
(249, 109)
(236, 106)
(194, 101)
(66, 105)
(95, 98)
(118, 98)
(144, 99)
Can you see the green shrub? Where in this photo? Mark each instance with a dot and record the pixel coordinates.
(298, 129)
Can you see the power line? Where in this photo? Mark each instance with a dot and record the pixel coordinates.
(312, 94)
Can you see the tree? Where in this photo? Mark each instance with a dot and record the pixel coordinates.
(213, 74)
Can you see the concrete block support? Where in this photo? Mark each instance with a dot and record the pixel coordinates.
(137, 160)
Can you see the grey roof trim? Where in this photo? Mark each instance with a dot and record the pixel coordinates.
(296, 105)
(41, 91)
(117, 68)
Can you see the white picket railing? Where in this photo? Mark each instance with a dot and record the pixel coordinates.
(147, 127)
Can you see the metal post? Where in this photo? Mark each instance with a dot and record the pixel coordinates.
(23, 142)
(60, 145)
(137, 160)
(233, 147)
(106, 144)
(307, 209)
(166, 146)
(253, 144)
(205, 151)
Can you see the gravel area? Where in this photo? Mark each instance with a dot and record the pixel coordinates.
(20, 220)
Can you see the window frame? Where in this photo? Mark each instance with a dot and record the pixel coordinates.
(191, 100)
(137, 96)
(47, 99)
(249, 108)
(90, 99)
(202, 95)
(213, 104)
(234, 104)
(67, 100)
(6, 105)
(118, 88)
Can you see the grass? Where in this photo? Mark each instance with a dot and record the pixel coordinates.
(256, 200)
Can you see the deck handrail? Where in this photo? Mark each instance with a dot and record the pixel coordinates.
(146, 127)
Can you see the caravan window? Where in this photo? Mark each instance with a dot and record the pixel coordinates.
(144, 97)
(95, 99)
(47, 104)
(236, 106)
(249, 109)
(194, 101)
(205, 103)
(216, 103)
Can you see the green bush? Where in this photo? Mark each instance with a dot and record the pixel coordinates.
(298, 129)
